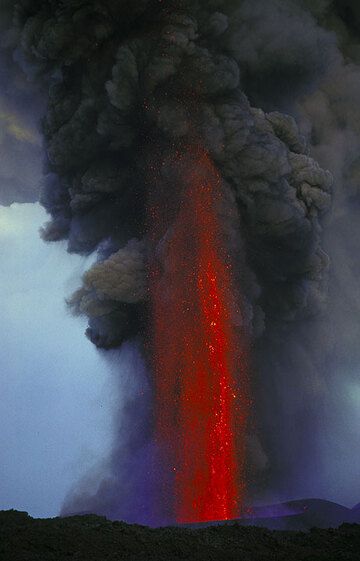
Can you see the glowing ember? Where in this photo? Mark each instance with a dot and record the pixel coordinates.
(199, 358)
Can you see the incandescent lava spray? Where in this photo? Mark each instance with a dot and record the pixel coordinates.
(199, 358)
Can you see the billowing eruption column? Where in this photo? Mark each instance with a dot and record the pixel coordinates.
(129, 85)
(199, 359)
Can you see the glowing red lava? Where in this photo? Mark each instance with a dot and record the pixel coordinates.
(199, 356)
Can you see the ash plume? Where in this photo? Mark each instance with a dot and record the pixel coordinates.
(128, 88)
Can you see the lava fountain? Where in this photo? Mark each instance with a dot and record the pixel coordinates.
(200, 357)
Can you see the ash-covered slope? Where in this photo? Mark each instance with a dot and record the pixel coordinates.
(299, 515)
(95, 538)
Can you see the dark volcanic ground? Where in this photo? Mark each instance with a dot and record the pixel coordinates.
(90, 537)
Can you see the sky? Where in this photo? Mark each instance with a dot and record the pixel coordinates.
(54, 385)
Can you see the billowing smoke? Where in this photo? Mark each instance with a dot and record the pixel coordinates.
(125, 489)
(311, 70)
(131, 87)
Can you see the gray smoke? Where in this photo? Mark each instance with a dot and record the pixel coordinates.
(108, 109)
(312, 378)
(129, 88)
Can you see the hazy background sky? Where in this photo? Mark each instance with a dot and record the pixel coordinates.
(55, 387)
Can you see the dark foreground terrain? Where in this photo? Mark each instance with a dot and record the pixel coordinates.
(86, 538)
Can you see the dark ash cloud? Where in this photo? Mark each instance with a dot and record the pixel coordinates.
(122, 80)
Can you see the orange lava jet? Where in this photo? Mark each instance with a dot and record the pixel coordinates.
(200, 357)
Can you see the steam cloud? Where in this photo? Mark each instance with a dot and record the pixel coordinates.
(123, 82)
